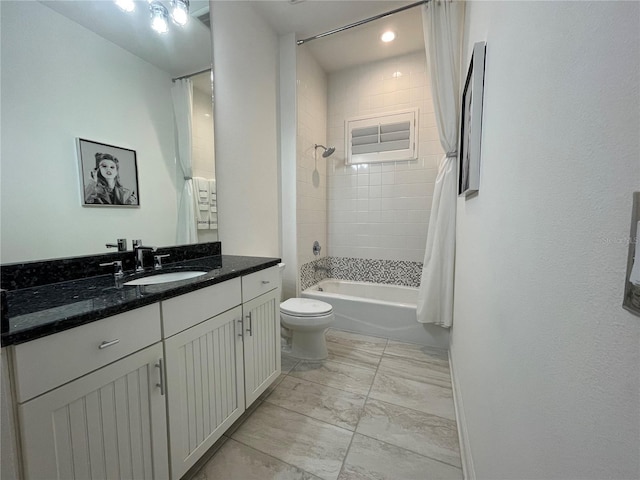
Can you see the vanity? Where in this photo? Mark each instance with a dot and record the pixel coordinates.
(137, 381)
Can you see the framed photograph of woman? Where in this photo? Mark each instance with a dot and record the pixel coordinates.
(108, 175)
(471, 124)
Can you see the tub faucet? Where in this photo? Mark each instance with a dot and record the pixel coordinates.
(139, 249)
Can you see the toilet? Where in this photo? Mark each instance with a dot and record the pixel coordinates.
(307, 319)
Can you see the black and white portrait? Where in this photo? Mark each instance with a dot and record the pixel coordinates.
(109, 175)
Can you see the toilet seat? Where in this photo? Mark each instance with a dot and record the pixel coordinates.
(305, 307)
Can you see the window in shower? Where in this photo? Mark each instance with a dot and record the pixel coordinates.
(386, 137)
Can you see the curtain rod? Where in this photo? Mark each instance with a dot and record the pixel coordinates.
(192, 74)
(361, 22)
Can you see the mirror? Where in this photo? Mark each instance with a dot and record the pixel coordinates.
(87, 69)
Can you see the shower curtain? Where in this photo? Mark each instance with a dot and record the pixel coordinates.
(182, 96)
(442, 22)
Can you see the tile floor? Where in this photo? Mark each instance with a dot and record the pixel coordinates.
(375, 409)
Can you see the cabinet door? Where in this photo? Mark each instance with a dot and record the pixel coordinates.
(108, 424)
(261, 343)
(204, 386)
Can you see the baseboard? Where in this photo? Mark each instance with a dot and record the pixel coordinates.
(465, 450)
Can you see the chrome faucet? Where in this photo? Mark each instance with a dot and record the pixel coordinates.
(121, 245)
(139, 249)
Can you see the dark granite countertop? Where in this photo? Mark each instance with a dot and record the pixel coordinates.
(42, 310)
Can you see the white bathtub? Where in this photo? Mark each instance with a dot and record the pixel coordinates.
(378, 309)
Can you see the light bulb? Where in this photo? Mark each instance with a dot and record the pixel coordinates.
(388, 36)
(126, 5)
(159, 17)
(180, 11)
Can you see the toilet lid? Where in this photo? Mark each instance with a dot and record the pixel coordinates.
(305, 307)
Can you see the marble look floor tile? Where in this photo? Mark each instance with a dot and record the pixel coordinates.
(309, 444)
(337, 375)
(420, 396)
(349, 355)
(324, 403)
(371, 459)
(237, 461)
(428, 435)
(415, 370)
(357, 341)
(417, 352)
(287, 363)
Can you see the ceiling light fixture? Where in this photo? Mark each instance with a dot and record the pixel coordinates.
(388, 36)
(159, 17)
(180, 11)
(126, 5)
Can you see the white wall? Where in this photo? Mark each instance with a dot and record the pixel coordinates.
(288, 115)
(79, 85)
(545, 357)
(245, 52)
(381, 211)
(311, 185)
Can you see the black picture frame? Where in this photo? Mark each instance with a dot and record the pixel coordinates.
(471, 124)
(631, 301)
(107, 190)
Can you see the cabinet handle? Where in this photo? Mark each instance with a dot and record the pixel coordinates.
(241, 327)
(250, 329)
(161, 384)
(266, 282)
(106, 343)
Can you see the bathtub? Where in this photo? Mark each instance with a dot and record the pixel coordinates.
(377, 309)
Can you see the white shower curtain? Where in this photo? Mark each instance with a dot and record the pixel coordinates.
(442, 22)
(182, 96)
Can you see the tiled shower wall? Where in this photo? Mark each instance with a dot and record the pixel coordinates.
(311, 185)
(381, 211)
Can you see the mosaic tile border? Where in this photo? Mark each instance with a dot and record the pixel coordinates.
(392, 272)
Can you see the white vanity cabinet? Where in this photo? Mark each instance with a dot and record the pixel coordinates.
(261, 313)
(144, 394)
(109, 423)
(204, 365)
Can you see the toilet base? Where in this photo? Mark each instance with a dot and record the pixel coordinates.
(309, 345)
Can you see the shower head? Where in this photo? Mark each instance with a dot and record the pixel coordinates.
(327, 151)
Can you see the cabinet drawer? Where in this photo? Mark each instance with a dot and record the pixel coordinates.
(48, 362)
(187, 310)
(260, 282)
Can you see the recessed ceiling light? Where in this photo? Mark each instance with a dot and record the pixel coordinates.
(388, 36)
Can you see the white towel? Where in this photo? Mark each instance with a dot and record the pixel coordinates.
(201, 199)
(634, 276)
(213, 205)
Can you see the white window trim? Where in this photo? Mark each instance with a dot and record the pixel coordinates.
(381, 119)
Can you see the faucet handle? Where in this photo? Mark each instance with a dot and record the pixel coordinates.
(157, 260)
(118, 272)
(121, 245)
(137, 243)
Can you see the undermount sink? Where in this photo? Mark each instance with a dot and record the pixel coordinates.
(165, 277)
